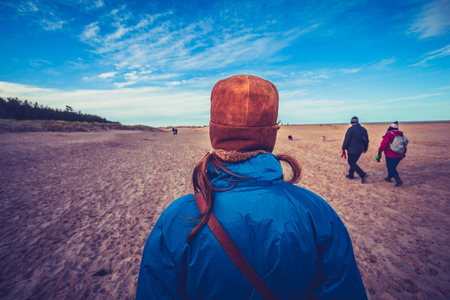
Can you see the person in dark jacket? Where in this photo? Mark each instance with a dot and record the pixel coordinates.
(292, 238)
(356, 142)
(392, 158)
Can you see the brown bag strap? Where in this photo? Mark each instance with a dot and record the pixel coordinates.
(233, 252)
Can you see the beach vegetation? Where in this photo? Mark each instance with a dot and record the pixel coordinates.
(23, 116)
(12, 125)
(13, 108)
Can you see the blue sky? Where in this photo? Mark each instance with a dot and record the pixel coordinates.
(156, 62)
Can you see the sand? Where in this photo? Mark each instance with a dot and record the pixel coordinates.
(76, 208)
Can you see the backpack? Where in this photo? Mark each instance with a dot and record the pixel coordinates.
(399, 144)
(364, 139)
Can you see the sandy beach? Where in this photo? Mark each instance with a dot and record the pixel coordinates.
(77, 208)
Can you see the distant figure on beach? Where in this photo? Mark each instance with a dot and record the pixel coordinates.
(356, 142)
(174, 130)
(290, 138)
(247, 233)
(394, 146)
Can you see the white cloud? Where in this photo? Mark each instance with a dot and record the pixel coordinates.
(300, 81)
(90, 32)
(27, 7)
(39, 62)
(161, 76)
(123, 84)
(120, 15)
(143, 72)
(445, 51)
(243, 47)
(119, 33)
(383, 63)
(312, 103)
(107, 75)
(131, 76)
(98, 4)
(16, 90)
(413, 97)
(434, 20)
(168, 46)
(154, 106)
(297, 32)
(293, 94)
(41, 13)
(349, 71)
(52, 25)
(315, 111)
(315, 75)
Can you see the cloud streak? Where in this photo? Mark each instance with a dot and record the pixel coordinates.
(445, 51)
(52, 25)
(350, 71)
(433, 21)
(385, 62)
(424, 96)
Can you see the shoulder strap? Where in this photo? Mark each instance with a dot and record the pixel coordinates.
(393, 134)
(233, 252)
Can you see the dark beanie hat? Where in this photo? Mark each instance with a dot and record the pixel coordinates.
(354, 120)
(244, 112)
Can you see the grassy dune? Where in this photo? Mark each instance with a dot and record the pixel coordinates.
(11, 125)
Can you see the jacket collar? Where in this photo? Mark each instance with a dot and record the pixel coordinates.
(396, 132)
(263, 169)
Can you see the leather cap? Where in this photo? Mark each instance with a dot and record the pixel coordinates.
(244, 112)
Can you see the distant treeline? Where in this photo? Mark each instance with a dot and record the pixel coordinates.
(13, 108)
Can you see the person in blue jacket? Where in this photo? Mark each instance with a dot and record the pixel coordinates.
(291, 237)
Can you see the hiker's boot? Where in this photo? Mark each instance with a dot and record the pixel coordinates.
(398, 181)
(389, 178)
(350, 176)
(364, 178)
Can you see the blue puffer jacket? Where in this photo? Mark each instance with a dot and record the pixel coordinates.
(292, 238)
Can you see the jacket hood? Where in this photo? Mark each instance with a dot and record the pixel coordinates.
(263, 169)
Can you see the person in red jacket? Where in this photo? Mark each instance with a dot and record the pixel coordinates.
(392, 158)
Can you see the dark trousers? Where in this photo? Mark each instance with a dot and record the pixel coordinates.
(391, 164)
(352, 159)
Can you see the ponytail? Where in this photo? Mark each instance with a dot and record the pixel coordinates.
(202, 185)
(295, 166)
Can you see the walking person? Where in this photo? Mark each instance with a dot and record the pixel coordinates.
(356, 142)
(394, 151)
(290, 244)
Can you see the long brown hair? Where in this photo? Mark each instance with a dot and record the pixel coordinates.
(202, 184)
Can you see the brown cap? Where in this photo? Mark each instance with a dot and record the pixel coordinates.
(244, 112)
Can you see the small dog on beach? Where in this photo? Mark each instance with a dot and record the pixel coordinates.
(290, 138)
